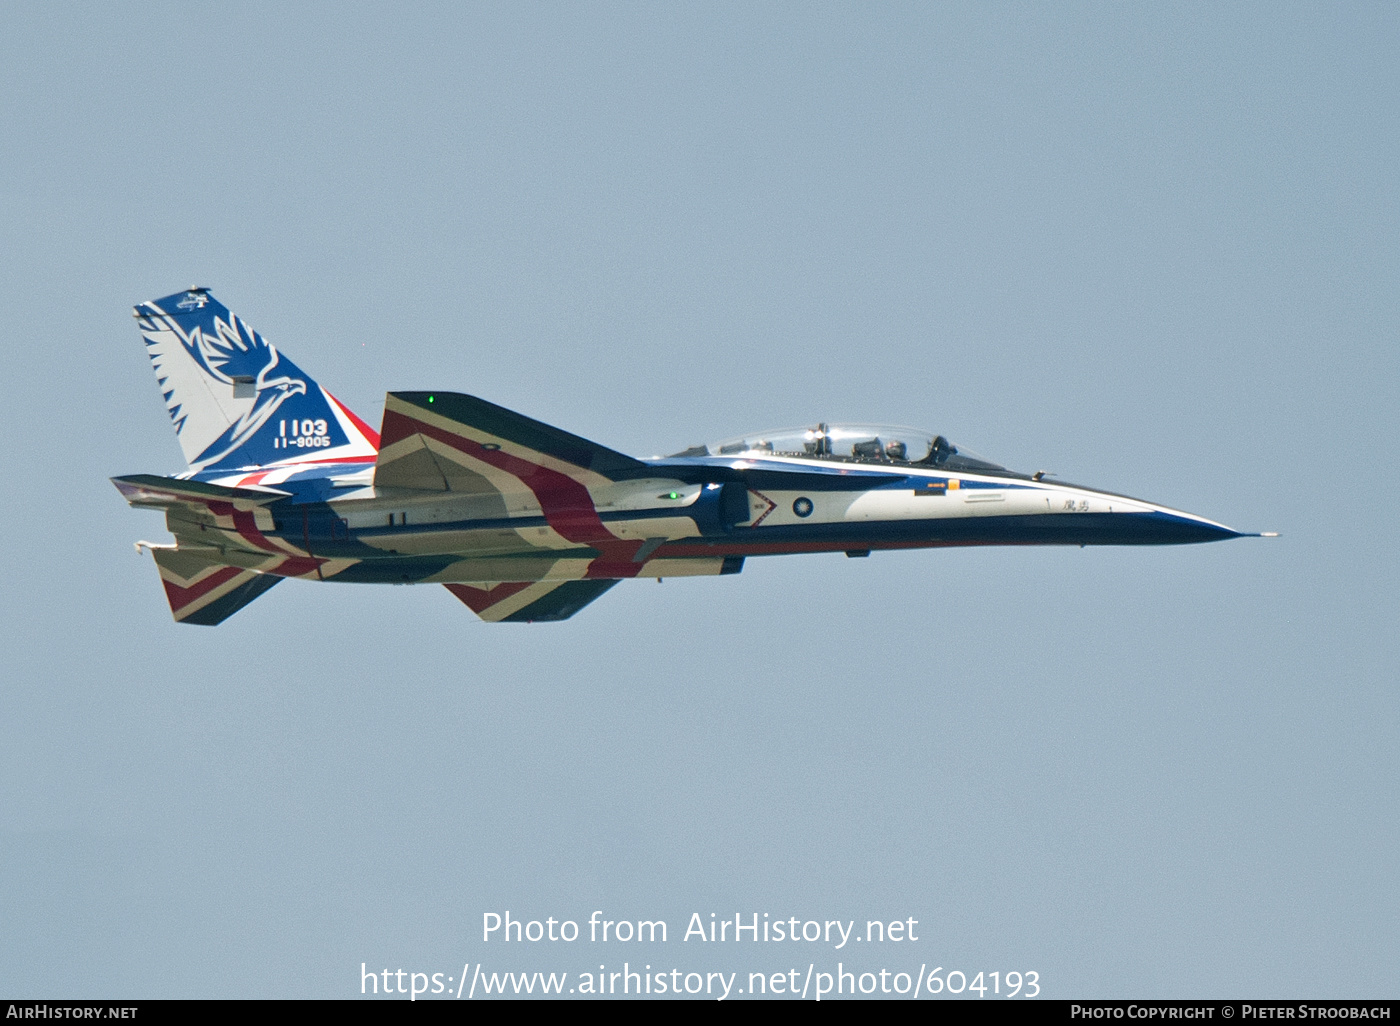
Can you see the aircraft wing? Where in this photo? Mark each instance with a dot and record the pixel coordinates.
(529, 601)
(446, 441)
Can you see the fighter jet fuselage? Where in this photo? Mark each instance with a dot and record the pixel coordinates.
(523, 521)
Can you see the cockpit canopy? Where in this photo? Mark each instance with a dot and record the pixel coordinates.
(850, 443)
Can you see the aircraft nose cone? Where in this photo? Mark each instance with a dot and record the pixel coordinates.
(1170, 527)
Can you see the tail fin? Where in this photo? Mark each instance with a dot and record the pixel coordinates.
(204, 591)
(236, 402)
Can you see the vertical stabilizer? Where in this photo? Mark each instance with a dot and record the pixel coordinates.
(235, 401)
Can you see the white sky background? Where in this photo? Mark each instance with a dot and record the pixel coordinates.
(1150, 248)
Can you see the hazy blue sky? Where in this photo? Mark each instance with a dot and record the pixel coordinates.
(1152, 248)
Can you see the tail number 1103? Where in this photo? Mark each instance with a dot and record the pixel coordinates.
(303, 434)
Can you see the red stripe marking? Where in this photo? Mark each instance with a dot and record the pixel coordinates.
(481, 599)
(306, 464)
(296, 566)
(244, 523)
(179, 597)
(566, 504)
(603, 568)
(371, 435)
(764, 515)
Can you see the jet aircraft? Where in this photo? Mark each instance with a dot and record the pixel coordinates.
(525, 522)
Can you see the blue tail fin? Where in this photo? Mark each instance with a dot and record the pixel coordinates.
(236, 402)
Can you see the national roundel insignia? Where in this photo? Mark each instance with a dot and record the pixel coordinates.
(802, 506)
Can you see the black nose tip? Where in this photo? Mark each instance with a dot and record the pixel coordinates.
(1170, 528)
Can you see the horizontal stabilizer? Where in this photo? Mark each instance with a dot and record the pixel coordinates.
(153, 490)
(446, 441)
(203, 591)
(529, 602)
